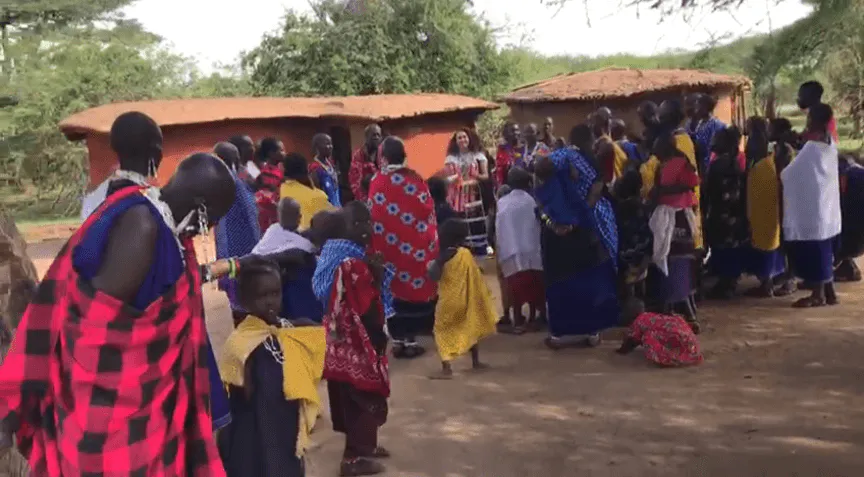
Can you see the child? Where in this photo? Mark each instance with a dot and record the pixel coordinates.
(505, 322)
(355, 366)
(464, 314)
(673, 224)
(438, 190)
(272, 417)
(519, 258)
(667, 340)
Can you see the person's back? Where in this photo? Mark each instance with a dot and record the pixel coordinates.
(678, 172)
(297, 186)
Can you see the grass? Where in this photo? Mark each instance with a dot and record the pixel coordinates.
(27, 206)
(844, 129)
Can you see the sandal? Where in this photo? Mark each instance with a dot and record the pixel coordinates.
(809, 302)
(358, 467)
(380, 453)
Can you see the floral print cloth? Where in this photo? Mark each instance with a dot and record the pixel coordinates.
(666, 339)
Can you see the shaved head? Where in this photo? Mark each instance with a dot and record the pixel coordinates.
(228, 153)
(201, 180)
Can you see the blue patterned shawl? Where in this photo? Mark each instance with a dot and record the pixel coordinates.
(333, 253)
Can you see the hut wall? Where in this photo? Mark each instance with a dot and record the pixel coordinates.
(426, 138)
(567, 114)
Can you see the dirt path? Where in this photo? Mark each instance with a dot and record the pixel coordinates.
(780, 395)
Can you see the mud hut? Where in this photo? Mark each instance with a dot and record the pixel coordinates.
(569, 99)
(425, 121)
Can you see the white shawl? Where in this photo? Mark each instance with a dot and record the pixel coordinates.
(517, 231)
(811, 194)
(277, 240)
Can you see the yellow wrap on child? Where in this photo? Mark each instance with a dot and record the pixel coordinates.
(464, 314)
(303, 349)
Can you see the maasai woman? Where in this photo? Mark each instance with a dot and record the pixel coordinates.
(323, 169)
(272, 366)
(298, 186)
(726, 228)
(405, 235)
(618, 132)
(667, 340)
(532, 148)
(271, 153)
(767, 260)
(366, 161)
(673, 224)
(851, 204)
(465, 167)
(464, 314)
(298, 299)
(131, 271)
(355, 365)
(610, 157)
(237, 233)
(635, 239)
(703, 126)
(509, 152)
(248, 169)
(670, 116)
(578, 258)
(518, 253)
(811, 209)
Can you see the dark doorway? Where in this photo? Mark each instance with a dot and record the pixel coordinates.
(342, 155)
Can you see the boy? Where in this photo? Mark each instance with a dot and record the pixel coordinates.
(464, 314)
(271, 421)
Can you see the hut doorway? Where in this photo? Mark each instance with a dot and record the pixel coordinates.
(342, 155)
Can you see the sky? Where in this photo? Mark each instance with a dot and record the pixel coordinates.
(217, 32)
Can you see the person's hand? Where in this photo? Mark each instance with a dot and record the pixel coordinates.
(375, 262)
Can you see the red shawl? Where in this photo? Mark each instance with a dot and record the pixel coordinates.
(505, 158)
(405, 231)
(361, 166)
(98, 389)
(351, 358)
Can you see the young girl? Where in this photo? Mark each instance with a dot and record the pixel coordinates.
(272, 367)
(464, 314)
(666, 339)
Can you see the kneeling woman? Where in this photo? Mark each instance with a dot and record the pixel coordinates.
(579, 256)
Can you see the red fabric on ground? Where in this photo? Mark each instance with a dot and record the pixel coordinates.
(666, 339)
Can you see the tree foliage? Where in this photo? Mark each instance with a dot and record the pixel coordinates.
(379, 46)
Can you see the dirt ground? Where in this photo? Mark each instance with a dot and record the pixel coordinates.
(780, 394)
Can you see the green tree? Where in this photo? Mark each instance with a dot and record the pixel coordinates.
(379, 46)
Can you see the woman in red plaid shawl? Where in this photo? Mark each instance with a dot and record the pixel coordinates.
(108, 372)
(365, 162)
(355, 364)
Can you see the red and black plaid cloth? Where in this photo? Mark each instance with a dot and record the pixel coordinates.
(271, 176)
(93, 387)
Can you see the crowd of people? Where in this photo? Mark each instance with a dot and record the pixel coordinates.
(111, 371)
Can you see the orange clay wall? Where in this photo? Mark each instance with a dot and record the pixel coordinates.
(426, 139)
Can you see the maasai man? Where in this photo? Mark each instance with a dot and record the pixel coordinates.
(618, 133)
(137, 141)
(532, 148)
(726, 228)
(273, 367)
(366, 161)
(298, 186)
(809, 95)
(647, 112)
(247, 168)
(131, 272)
(851, 204)
(405, 234)
(236, 233)
(764, 197)
(323, 171)
(508, 154)
(548, 137)
(271, 153)
(578, 255)
(518, 254)
(298, 299)
(610, 157)
(670, 117)
(355, 366)
(702, 127)
(18, 279)
(811, 209)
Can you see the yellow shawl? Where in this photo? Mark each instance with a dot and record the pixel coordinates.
(303, 348)
(763, 204)
(465, 313)
(311, 200)
(649, 169)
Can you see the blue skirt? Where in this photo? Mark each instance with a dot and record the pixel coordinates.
(681, 282)
(765, 265)
(812, 260)
(584, 303)
(727, 262)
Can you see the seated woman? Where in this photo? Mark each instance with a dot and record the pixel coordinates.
(273, 367)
